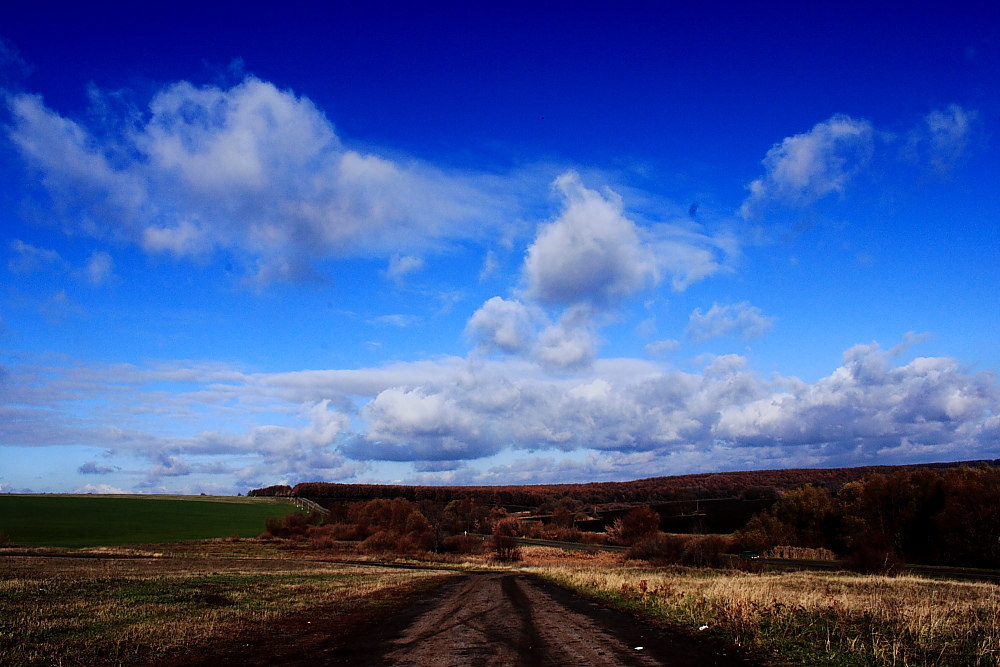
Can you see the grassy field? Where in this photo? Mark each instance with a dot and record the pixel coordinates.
(835, 619)
(132, 605)
(111, 610)
(92, 520)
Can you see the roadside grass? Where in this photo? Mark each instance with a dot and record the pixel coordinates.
(133, 604)
(90, 520)
(112, 610)
(833, 619)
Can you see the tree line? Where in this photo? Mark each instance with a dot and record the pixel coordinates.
(701, 486)
(915, 514)
(922, 516)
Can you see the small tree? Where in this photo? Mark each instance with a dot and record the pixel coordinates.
(504, 543)
(634, 526)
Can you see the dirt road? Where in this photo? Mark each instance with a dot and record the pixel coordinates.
(486, 620)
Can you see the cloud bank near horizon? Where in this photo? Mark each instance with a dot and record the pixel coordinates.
(618, 418)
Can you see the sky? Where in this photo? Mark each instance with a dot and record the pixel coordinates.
(245, 244)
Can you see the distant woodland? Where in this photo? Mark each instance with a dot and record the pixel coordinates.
(704, 486)
(945, 513)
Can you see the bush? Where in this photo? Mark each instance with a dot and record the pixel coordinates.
(463, 544)
(762, 533)
(800, 553)
(392, 541)
(411, 543)
(659, 549)
(568, 534)
(872, 559)
(350, 532)
(4, 539)
(593, 538)
(705, 551)
(321, 537)
(294, 524)
(380, 542)
(634, 526)
(534, 530)
(503, 544)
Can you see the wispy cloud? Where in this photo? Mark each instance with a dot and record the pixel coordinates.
(942, 140)
(490, 266)
(105, 489)
(13, 67)
(807, 167)
(91, 468)
(99, 269)
(740, 319)
(661, 346)
(395, 320)
(26, 258)
(249, 169)
(402, 265)
(59, 307)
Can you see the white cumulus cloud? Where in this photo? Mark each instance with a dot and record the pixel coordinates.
(510, 327)
(504, 325)
(807, 167)
(249, 169)
(591, 253)
(619, 414)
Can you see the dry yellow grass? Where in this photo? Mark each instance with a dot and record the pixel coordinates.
(800, 553)
(805, 617)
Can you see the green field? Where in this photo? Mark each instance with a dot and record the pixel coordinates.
(88, 521)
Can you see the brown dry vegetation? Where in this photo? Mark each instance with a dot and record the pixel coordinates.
(118, 606)
(116, 609)
(815, 618)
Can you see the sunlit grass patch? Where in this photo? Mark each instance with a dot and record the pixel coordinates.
(815, 618)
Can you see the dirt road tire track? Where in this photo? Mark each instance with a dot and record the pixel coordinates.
(493, 620)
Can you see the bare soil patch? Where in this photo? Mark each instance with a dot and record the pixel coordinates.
(480, 620)
(516, 619)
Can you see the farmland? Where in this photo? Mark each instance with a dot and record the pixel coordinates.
(164, 598)
(85, 520)
(255, 602)
(127, 607)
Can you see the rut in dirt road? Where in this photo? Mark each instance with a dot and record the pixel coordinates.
(493, 620)
(484, 622)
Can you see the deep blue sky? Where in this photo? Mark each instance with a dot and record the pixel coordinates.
(253, 243)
